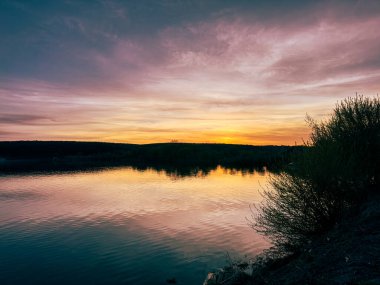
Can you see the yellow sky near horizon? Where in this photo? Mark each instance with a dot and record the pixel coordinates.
(239, 73)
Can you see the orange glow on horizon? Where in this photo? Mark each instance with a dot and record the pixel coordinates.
(228, 77)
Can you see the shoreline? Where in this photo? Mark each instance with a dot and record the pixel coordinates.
(347, 254)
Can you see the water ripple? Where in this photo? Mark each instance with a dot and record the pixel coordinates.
(123, 226)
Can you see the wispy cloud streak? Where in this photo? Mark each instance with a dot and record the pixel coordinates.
(243, 73)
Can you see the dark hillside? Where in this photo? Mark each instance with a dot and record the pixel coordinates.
(40, 155)
(50, 149)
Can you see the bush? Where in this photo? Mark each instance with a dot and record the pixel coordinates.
(336, 172)
(348, 146)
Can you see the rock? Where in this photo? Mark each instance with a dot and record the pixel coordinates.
(228, 275)
(210, 279)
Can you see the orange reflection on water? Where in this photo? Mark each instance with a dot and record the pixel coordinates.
(205, 211)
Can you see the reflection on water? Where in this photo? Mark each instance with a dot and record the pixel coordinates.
(124, 226)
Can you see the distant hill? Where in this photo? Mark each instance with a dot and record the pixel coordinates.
(39, 154)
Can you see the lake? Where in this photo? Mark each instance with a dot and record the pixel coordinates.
(125, 226)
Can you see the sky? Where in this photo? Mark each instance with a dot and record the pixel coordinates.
(143, 71)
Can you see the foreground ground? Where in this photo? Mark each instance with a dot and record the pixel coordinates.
(348, 254)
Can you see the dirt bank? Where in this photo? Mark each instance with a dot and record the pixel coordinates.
(347, 254)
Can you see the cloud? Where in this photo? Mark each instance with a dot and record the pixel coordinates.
(20, 119)
(113, 70)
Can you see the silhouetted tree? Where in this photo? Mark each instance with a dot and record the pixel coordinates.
(336, 172)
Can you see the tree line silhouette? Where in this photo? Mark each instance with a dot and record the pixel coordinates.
(180, 157)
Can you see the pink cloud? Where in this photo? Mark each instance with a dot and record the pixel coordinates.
(217, 78)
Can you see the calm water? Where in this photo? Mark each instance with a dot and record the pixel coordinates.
(123, 226)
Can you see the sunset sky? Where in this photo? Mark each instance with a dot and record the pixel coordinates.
(193, 71)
